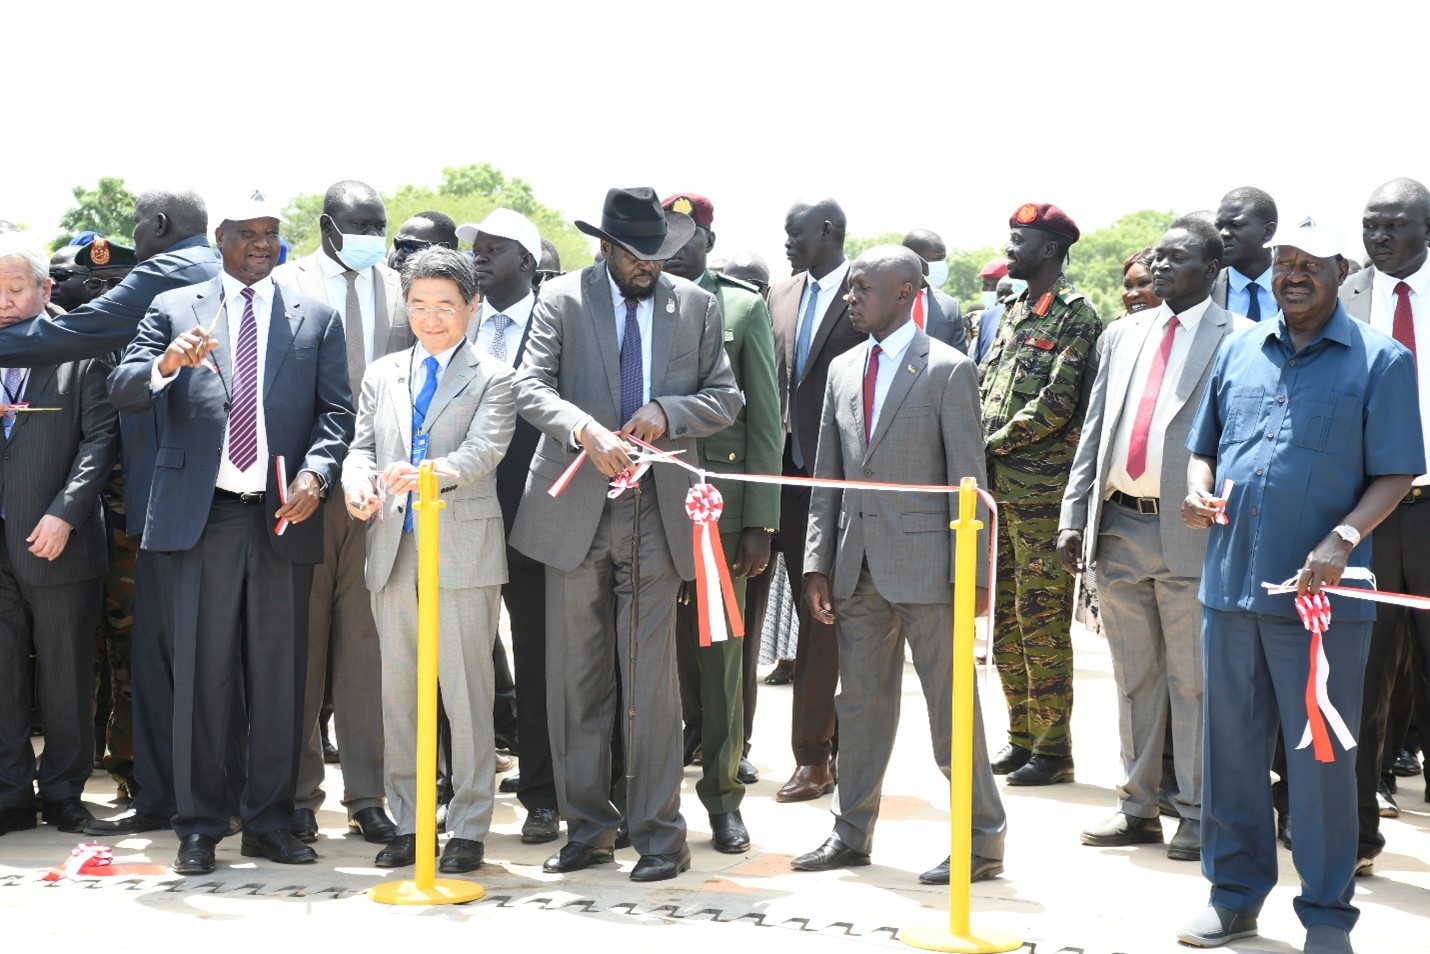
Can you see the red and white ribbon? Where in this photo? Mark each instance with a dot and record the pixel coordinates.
(1315, 612)
(83, 858)
(703, 504)
(282, 471)
(1226, 486)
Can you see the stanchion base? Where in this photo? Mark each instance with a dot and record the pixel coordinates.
(937, 937)
(443, 891)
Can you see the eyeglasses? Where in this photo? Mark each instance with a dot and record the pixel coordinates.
(413, 246)
(65, 274)
(422, 311)
(545, 274)
(95, 283)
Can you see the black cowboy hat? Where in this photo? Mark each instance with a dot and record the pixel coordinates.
(634, 220)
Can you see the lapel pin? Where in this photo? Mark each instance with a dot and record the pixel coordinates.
(670, 306)
(913, 370)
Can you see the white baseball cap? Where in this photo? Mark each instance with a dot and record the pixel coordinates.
(505, 223)
(1312, 235)
(251, 204)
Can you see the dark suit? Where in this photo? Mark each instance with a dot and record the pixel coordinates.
(98, 328)
(233, 579)
(944, 320)
(53, 463)
(816, 669)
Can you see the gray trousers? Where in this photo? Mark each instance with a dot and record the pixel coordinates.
(589, 640)
(341, 627)
(1153, 622)
(466, 628)
(872, 632)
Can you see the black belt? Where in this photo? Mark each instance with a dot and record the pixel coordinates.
(1415, 495)
(251, 497)
(1147, 506)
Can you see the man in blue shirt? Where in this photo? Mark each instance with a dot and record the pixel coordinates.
(1313, 417)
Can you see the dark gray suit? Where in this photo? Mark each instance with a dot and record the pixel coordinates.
(890, 560)
(944, 321)
(54, 463)
(233, 579)
(571, 369)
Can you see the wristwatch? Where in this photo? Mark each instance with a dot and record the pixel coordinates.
(1348, 533)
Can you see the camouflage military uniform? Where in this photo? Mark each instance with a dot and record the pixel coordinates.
(1034, 379)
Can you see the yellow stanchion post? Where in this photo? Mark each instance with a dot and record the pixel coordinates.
(956, 934)
(425, 888)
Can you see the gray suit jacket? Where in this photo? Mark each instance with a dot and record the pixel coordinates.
(944, 321)
(1355, 294)
(1113, 396)
(391, 332)
(572, 369)
(1219, 288)
(469, 425)
(929, 432)
(55, 463)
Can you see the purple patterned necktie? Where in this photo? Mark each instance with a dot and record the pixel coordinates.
(632, 378)
(243, 419)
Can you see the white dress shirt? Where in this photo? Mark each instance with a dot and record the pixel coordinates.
(255, 478)
(829, 286)
(1382, 319)
(645, 312)
(337, 285)
(520, 314)
(1149, 484)
(1239, 289)
(891, 358)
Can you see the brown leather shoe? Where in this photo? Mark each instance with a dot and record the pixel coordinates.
(808, 781)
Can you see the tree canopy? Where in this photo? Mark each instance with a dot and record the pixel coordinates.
(107, 209)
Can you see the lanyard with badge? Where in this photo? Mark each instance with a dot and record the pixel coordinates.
(12, 398)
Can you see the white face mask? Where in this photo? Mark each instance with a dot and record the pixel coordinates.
(1019, 286)
(362, 251)
(938, 274)
(989, 298)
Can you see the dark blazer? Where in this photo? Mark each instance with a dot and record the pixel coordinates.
(944, 321)
(834, 336)
(1356, 292)
(512, 471)
(108, 324)
(55, 463)
(308, 411)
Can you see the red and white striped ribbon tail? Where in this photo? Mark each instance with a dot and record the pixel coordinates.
(716, 608)
(1315, 613)
(82, 860)
(281, 470)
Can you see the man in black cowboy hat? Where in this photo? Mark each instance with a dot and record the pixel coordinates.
(618, 350)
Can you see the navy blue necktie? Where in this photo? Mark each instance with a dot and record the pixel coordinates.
(806, 332)
(1253, 308)
(419, 416)
(632, 375)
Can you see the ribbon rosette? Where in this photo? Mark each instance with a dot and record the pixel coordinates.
(82, 860)
(1315, 613)
(703, 504)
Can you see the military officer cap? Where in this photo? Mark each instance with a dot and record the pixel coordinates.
(102, 253)
(1047, 218)
(995, 269)
(699, 208)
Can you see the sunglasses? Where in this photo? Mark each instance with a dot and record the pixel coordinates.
(65, 274)
(413, 246)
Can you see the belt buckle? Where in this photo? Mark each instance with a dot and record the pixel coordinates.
(251, 496)
(1147, 506)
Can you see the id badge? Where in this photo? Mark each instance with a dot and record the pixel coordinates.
(419, 449)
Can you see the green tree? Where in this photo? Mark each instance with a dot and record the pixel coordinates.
(963, 268)
(1095, 266)
(107, 209)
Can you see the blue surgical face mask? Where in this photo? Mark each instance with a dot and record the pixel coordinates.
(989, 298)
(1019, 286)
(938, 274)
(362, 251)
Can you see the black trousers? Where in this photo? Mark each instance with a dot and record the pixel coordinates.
(525, 597)
(239, 613)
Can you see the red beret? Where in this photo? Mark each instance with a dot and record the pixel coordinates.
(995, 269)
(699, 208)
(1044, 216)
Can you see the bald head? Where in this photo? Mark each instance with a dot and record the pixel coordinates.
(164, 217)
(342, 194)
(926, 244)
(882, 285)
(1396, 227)
(814, 236)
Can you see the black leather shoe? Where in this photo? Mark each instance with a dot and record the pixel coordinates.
(728, 832)
(747, 773)
(66, 814)
(196, 855)
(461, 855)
(541, 825)
(400, 852)
(1043, 770)
(131, 822)
(374, 826)
(661, 867)
(575, 855)
(1009, 758)
(1186, 844)
(1406, 765)
(235, 825)
(1124, 829)
(830, 855)
(979, 869)
(17, 819)
(623, 835)
(280, 846)
(510, 783)
(1283, 826)
(304, 826)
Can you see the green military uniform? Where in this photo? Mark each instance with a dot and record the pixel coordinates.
(1033, 383)
(753, 444)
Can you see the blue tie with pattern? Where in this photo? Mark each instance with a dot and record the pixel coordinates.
(419, 415)
(801, 354)
(632, 376)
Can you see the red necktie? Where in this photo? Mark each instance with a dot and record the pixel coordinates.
(1404, 327)
(1137, 449)
(871, 375)
(919, 309)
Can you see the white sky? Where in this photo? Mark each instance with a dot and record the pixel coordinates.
(910, 114)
